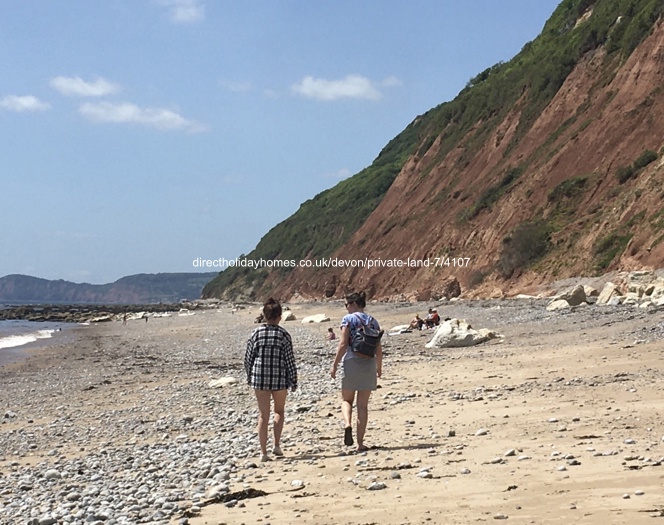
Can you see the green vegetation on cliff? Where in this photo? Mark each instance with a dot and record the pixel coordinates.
(525, 84)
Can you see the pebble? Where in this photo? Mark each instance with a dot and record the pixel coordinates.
(163, 446)
(126, 463)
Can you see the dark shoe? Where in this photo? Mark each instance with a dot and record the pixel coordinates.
(348, 436)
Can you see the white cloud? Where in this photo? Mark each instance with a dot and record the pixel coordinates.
(24, 103)
(184, 11)
(75, 86)
(352, 86)
(126, 113)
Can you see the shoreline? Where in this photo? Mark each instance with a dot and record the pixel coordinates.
(140, 395)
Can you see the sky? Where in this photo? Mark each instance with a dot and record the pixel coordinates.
(139, 135)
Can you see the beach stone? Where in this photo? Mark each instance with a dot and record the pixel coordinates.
(52, 474)
(458, 333)
(608, 292)
(222, 382)
(558, 304)
(377, 485)
(318, 318)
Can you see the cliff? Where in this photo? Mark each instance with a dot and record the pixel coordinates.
(545, 167)
(133, 289)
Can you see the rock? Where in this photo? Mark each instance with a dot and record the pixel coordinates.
(575, 296)
(330, 289)
(290, 316)
(558, 304)
(482, 432)
(608, 292)
(377, 485)
(317, 318)
(52, 474)
(457, 333)
(222, 382)
(590, 291)
(449, 289)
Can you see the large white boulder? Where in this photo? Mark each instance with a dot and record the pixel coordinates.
(222, 382)
(457, 332)
(608, 292)
(318, 318)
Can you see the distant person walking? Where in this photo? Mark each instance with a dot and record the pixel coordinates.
(270, 365)
(360, 372)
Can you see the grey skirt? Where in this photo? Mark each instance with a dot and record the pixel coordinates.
(359, 374)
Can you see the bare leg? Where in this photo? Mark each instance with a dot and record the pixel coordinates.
(263, 397)
(347, 400)
(362, 416)
(279, 397)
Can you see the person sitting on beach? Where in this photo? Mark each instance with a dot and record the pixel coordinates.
(360, 373)
(270, 365)
(331, 336)
(417, 322)
(433, 319)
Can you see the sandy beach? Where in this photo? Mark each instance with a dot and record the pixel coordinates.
(558, 421)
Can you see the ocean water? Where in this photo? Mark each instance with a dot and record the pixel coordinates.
(19, 333)
(17, 336)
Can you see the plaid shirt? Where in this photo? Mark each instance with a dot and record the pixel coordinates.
(269, 360)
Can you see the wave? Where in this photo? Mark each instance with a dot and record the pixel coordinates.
(12, 341)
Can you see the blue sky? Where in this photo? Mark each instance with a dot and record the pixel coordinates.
(139, 135)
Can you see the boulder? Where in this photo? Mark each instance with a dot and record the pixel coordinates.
(289, 316)
(558, 304)
(458, 333)
(222, 382)
(575, 296)
(608, 292)
(318, 318)
(449, 289)
(330, 290)
(590, 291)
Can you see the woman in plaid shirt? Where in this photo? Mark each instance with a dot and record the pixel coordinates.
(271, 370)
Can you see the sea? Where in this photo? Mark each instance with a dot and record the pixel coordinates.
(18, 336)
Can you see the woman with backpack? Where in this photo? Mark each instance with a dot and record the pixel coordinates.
(360, 370)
